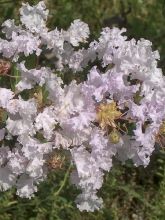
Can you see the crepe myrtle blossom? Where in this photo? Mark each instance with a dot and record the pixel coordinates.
(117, 111)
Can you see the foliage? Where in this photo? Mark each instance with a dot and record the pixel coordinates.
(128, 193)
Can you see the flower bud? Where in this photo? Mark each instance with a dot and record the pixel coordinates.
(114, 137)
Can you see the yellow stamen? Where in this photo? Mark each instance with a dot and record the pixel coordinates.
(107, 114)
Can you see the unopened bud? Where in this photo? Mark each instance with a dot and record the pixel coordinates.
(114, 137)
(4, 67)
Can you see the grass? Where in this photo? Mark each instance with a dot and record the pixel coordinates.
(129, 193)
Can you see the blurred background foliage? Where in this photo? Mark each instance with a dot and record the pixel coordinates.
(129, 193)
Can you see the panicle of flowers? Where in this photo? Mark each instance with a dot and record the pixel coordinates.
(118, 111)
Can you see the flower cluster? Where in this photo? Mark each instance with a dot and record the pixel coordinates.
(118, 111)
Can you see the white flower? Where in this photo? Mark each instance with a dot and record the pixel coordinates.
(17, 161)
(20, 127)
(9, 27)
(5, 96)
(7, 178)
(34, 18)
(102, 151)
(89, 201)
(121, 71)
(32, 147)
(87, 169)
(75, 61)
(46, 121)
(24, 42)
(25, 187)
(77, 33)
(53, 39)
(34, 167)
(25, 109)
(29, 78)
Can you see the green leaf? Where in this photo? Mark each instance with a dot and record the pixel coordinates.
(15, 77)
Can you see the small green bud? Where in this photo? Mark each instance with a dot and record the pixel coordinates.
(114, 137)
